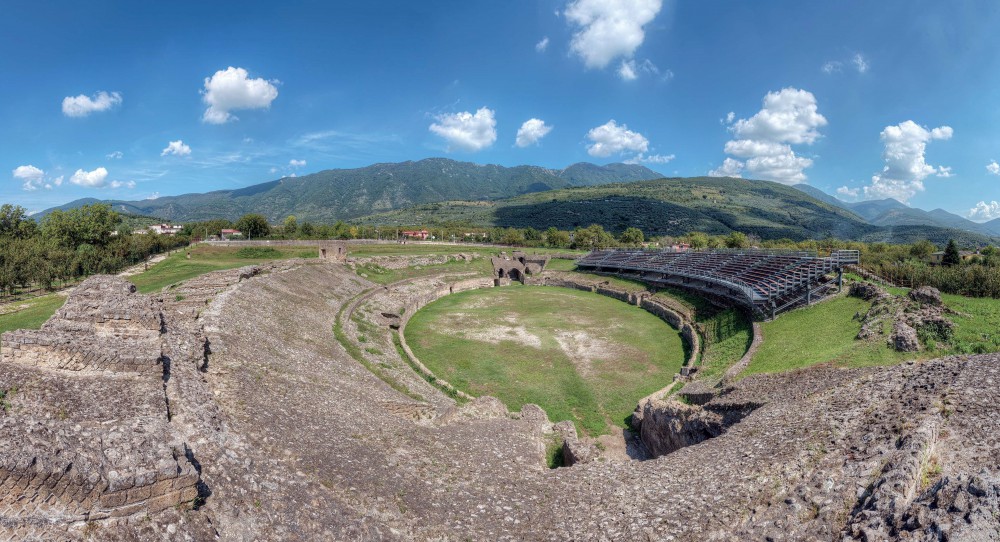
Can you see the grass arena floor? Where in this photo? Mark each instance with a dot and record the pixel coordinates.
(579, 355)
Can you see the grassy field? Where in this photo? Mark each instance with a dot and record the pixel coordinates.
(727, 335)
(826, 333)
(581, 356)
(822, 333)
(480, 265)
(204, 259)
(977, 324)
(31, 314)
(383, 275)
(420, 249)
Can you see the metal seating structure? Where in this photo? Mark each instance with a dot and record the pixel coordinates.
(766, 282)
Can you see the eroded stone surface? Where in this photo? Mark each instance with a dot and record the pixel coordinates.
(296, 440)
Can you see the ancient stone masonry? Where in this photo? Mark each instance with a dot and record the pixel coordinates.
(86, 432)
(261, 426)
(907, 316)
(517, 267)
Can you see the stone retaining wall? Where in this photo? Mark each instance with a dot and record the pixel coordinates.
(85, 425)
(416, 304)
(744, 362)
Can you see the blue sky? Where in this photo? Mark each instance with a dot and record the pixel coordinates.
(876, 99)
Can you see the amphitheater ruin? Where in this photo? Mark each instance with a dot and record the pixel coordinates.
(243, 405)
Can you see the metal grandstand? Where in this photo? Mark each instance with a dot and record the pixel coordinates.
(766, 282)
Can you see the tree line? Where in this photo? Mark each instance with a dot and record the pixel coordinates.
(68, 245)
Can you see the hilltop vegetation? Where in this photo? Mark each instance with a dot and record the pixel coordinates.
(342, 194)
(672, 207)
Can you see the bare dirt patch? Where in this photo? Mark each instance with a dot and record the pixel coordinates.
(583, 349)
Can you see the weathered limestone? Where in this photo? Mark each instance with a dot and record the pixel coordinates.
(296, 440)
(867, 291)
(86, 434)
(666, 426)
(904, 338)
(926, 295)
(921, 312)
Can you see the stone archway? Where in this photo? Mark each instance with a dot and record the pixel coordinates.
(500, 273)
(514, 274)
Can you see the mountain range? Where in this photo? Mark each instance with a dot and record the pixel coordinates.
(890, 213)
(715, 205)
(439, 191)
(344, 194)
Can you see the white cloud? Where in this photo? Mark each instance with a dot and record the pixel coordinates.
(905, 167)
(542, 45)
(232, 89)
(31, 178)
(297, 163)
(82, 105)
(729, 168)
(650, 159)
(90, 179)
(630, 70)
(531, 132)
(119, 184)
(849, 192)
(117, 155)
(177, 148)
(985, 211)
(609, 29)
(627, 71)
(860, 63)
(993, 168)
(788, 117)
(154, 195)
(467, 131)
(610, 138)
(58, 181)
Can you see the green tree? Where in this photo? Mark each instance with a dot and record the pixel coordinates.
(89, 224)
(632, 237)
(253, 226)
(556, 238)
(307, 229)
(697, 239)
(592, 237)
(951, 255)
(512, 236)
(290, 226)
(737, 240)
(922, 249)
(532, 236)
(14, 222)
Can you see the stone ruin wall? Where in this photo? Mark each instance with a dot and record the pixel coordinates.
(417, 303)
(98, 360)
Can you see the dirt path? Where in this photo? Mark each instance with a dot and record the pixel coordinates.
(140, 267)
